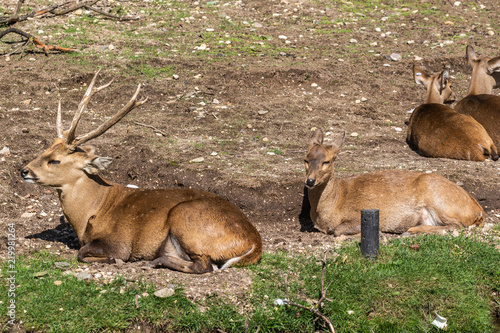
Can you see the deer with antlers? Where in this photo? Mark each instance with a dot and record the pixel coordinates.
(187, 230)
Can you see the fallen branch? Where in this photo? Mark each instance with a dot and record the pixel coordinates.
(315, 309)
(36, 42)
(152, 127)
(57, 10)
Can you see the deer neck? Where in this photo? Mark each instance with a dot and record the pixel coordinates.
(480, 83)
(323, 197)
(83, 199)
(433, 96)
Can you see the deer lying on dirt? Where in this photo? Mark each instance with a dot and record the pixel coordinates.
(478, 103)
(407, 201)
(436, 130)
(191, 231)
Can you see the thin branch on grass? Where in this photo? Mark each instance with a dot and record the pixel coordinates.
(36, 42)
(58, 10)
(152, 127)
(315, 309)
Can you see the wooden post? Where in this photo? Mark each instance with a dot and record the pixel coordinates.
(369, 233)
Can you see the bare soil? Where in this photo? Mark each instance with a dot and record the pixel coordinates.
(259, 160)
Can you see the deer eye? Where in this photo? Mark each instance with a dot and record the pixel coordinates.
(54, 162)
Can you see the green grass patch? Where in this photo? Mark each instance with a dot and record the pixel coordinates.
(456, 277)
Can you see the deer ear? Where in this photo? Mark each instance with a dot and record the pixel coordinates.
(89, 149)
(443, 80)
(493, 65)
(97, 164)
(471, 55)
(338, 142)
(317, 138)
(420, 76)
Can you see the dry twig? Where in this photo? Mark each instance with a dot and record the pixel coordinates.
(35, 41)
(152, 127)
(315, 309)
(58, 10)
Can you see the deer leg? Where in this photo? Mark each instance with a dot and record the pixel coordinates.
(98, 251)
(430, 229)
(197, 265)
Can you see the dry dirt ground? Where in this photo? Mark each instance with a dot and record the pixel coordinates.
(252, 158)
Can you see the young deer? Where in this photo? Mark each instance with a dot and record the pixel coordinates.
(191, 231)
(408, 201)
(436, 130)
(478, 103)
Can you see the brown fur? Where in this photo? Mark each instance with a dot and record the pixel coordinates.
(182, 229)
(407, 201)
(479, 103)
(436, 130)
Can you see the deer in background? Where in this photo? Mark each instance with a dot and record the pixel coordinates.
(188, 230)
(479, 103)
(407, 201)
(436, 130)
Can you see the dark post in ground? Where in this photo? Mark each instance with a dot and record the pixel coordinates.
(369, 233)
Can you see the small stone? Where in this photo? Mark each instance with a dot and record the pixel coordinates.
(61, 264)
(491, 32)
(395, 57)
(84, 276)
(398, 129)
(214, 153)
(314, 85)
(57, 282)
(111, 47)
(262, 112)
(26, 102)
(5, 151)
(27, 215)
(387, 65)
(354, 134)
(165, 292)
(175, 77)
(257, 25)
(282, 37)
(417, 58)
(265, 139)
(364, 99)
(350, 312)
(40, 274)
(210, 29)
(197, 160)
(352, 40)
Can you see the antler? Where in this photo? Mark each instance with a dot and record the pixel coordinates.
(83, 106)
(70, 134)
(132, 104)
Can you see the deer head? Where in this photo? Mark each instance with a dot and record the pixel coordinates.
(438, 86)
(68, 159)
(319, 159)
(485, 72)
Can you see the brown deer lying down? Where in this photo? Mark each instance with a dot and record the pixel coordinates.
(436, 130)
(478, 103)
(191, 231)
(408, 201)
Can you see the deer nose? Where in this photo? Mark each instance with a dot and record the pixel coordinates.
(310, 182)
(24, 173)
